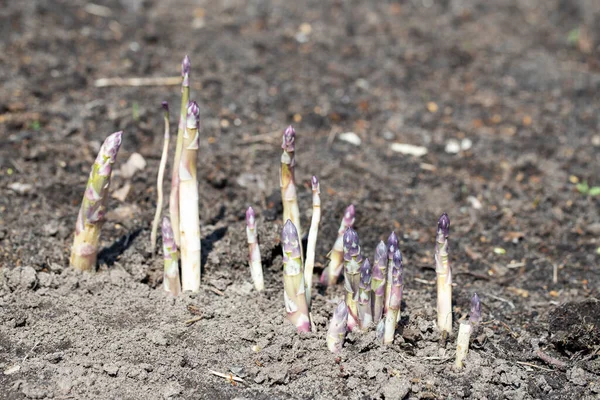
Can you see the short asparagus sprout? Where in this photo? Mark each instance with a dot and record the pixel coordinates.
(293, 278)
(392, 316)
(254, 251)
(332, 272)
(189, 226)
(287, 181)
(465, 330)
(444, 276)
(174, 196)
(312, 238)
(365, 314)
(380, 330)
(93, 207)
(352, 263)
(378, 282)
(171, 282)
(337, 328)
(392, 246)
(160, 178)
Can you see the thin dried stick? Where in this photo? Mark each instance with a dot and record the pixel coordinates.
(136, 82)
(160, 178)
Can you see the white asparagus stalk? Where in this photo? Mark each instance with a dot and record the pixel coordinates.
(309, 264)
(171, 283)
(444, 277)
(392, 316)
(254, 251)
(160, 178)
(465, 330)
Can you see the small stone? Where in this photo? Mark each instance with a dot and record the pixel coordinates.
(351, 138)
(373, 368)
(111, 369)
(45, 279)
(452, 146)
(396, 389)
(28, 279)
(408, 149)
(578, 376)
(50, 229)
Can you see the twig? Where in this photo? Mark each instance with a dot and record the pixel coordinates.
(192, 321)
(423, 281)
(151, 81)
(230, 377)
(510, 303)
(545, 357)
(534, 366)
(27, 355)
(216, 291)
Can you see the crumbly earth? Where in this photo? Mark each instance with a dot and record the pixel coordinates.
(503, 95)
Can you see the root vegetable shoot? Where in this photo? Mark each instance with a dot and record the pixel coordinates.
(444, 276)
(312, 238)
(352, 263)
(337, 328)
(254, 251)
(293, 278)
(288, 181)
(189, 224)
(378, 282)
(93, 207)
(365, 314)
(392, 246)
(160, 178)
(171, 282)
(331, 274)
(392, 316)
(465, 330)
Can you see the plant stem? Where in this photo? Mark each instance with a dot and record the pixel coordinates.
(462, 343)
(337, 328)
(171, 283)
(444, 276)
(312, 238)
(254, 251)
(160, 178)
(393, 314)
(352, 263)
(365, 313)
(392, 246)
(289, 198)
(332, 272)
(293, 278)
(378, 282)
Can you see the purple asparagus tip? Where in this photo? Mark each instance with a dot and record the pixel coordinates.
(250, 218)
(444, 224)
(193, 115)
(341, 311)
(365, 274)
(112, 144)
(349, 216)
(186, 66)
(351, 244)
(475, 316)
(397, 269)
(381, 254)
(289, 139)
(392, 245)
(167, 233)
(165, 106)
(315, 183)
(290, 241)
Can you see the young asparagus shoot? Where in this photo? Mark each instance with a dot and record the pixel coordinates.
(288, 180)
(392, 246)
(378, 281)
(380, 330)
(160, 178)
(392, 316)
(254, 251)
(174, 196)
(332, 272)
(93, 207)
(309, 264)
(293, 278)
(444, 276)
(365, 314)
(352, 263)
(189, 226)
(337, 328)
(465, 330)
(171, 282)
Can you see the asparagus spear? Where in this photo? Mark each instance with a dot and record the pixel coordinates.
(312, 238)
(293, 278)
(171, 282)
(378, 282)
(255, 261)
(174, 196)
(93, 206)
(189, 226)
(352, 262)
(159, 179)
(332, 272)
(392, 246)
(288, 181)
(337, 328)
(444, 276)
(464, 331)
(365, 315)
(380, 330)
(391, 318)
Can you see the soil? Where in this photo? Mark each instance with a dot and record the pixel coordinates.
(515, 81)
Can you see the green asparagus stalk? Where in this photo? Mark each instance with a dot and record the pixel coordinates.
(254, 251)
(391, 318)
(171, 282)
(337, 328)
(464, 332)
(365, 314)
(174, 196)
(312, 238)
(288, 181)
(332, 272)
(444, 276)
(189, 226)
(352, 263)
(93, 207)
(159, 179)
(392, 246)
(293, 278)
(378, 282)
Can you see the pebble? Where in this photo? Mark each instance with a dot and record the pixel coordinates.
(409, 149)
(351, 138)
(396, 389)
(577, 376)
(111, 369)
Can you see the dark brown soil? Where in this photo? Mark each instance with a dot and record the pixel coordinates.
(520, 79)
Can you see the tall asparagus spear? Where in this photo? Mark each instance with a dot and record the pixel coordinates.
(378, 282)
(189, 225)
(337, 328)
(352, 262)
(171, 282)
(392, 246)
(365, 314)
(174, 196)
(444, 276)
(93, 206)
(464, 331)
(293, 278)
(288, 181)
(160, 177)
(391, 318)
(312, 238)
(332, 272)
(255, 262)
